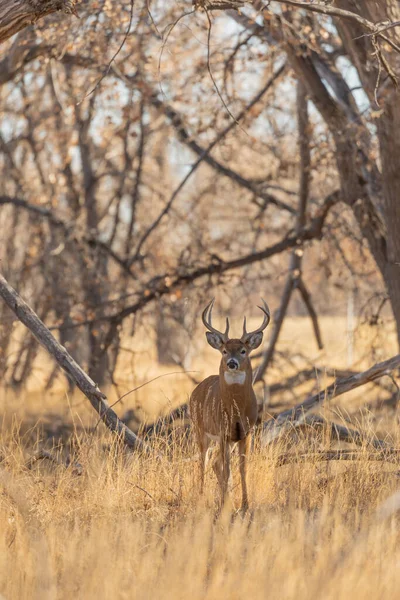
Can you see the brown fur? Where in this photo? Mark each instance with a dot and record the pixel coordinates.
(228, 412)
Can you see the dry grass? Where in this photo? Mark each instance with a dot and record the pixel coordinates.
(133, 526)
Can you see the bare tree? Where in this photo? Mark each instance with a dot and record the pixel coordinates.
(97, 184)
(15, 16)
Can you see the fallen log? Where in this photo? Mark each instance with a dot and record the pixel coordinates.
(293, 417)
(341, 433)
(96, 398)
(337, 455)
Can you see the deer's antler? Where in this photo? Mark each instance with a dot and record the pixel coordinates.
(264, 324)
(207, 317)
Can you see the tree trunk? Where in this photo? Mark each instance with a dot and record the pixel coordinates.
(15, 15)
(359, 49)
(173, 339)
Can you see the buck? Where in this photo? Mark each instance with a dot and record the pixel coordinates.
(224, 407)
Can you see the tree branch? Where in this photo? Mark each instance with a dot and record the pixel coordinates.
(305, 294)
(67, 228)
(294, 277)
(15, 15)
(203, 153)
(332, 11)
(345, 434)
(166, 284)
(204, 156)
(323, 9)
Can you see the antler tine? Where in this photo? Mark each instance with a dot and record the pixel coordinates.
(264, 324)
(267, 315)
(205, 317)
(226, 329)
(207, 320)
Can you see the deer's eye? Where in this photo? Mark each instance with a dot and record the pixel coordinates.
(243, 351)
(224, 352)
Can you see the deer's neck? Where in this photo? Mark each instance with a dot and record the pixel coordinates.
(238, 401)
(237, 381)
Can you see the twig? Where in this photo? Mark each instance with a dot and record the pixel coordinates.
(139, 387)
(234, 119)
(122, 44)
(77, 468)
(170, 28)
(142, 490)
(202, 158)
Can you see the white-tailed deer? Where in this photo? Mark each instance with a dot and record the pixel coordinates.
(224, 407)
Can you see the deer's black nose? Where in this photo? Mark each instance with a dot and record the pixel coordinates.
(232, 364)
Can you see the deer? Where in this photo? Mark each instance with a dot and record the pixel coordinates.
(224, 407)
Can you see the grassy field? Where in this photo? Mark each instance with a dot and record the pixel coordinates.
(132, 526)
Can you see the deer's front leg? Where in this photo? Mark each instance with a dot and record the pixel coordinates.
(244, 450)
(221, 466)
(203, 443)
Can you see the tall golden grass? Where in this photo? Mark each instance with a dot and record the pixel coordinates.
(133, 526)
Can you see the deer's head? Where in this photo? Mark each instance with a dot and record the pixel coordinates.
(235, 352)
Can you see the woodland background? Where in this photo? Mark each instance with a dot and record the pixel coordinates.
(154, 155)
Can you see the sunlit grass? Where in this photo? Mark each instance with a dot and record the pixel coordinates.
(134, 526)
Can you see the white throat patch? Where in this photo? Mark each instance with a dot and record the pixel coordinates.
(235, 377)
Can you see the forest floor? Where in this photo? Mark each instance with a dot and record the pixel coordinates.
(118, 525)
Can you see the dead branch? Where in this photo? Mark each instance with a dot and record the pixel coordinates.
(325, 8)
(218, 4)
(293, 417)
(68, 229)
(312, 373)
(375, 29)
(16, 15)
(332, 11)
(77, 468)
(96, 398)
(165, 284)
(306, 296)
(337, 455)
(186, 138)
(178, 414)
(294, 279)
(203, 157)
(345, 434)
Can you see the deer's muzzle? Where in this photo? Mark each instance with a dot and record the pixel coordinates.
(232, 364)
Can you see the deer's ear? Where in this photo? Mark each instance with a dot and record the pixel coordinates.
(254, 340)
(214, 340)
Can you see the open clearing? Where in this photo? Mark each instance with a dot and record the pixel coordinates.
(132, 526)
